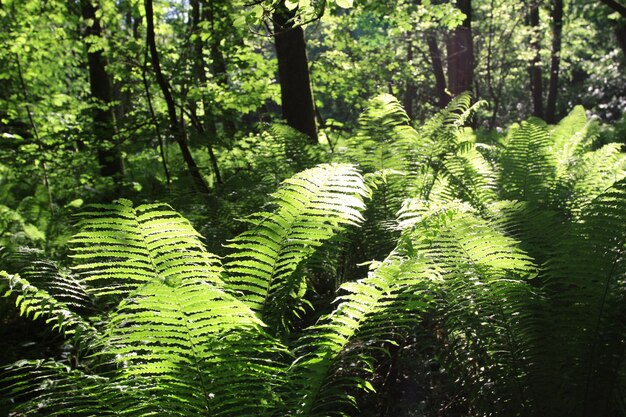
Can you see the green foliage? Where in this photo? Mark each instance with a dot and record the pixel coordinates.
(505, 275)
(311, 208)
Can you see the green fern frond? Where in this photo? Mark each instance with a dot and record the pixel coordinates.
(593, 173)
(335, 354)
(47, 388)
(120, 248)
(36, 303)
(196, 349)
(529, 168)
(312, 207)
(471, 177)
(569, 137)
(481, 304)
(590, 267)
(384, 139)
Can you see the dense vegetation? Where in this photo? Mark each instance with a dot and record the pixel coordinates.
(203, 214)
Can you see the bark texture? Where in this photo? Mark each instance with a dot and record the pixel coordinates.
(101, 90)
(293, 73)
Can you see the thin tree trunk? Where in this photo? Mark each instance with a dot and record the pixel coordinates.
(461, 53)
(536, 83)
(620, 35)
(411, 91)
(206, 128)
(293, 73)
(437, 64)
(175, 125)
(109, 158)
(44, 167)
(155, 122)
(218, 62)
(555, 62)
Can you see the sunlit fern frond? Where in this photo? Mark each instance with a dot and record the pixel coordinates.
(120, 247)
(538, 230)
(442, 129)
(48, 388)
(37, 303)
(586, 286)
(593, 173)
(177, 343)
(384, 139)
(194, 349)
(335, 355)
(471, 177)
(528, 165)
(481, 304)
(311, 208)
(569, 137)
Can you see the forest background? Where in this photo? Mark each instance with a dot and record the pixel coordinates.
(209, 105)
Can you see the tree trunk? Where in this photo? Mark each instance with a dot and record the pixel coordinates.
(411, 91)
(101, 90)
(437, 64)
(555, 61)
(620, 34)
(175, 125)
(207, 127)
(461, 53)
(293, 73)
(536, 84)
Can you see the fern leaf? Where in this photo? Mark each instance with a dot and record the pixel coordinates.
(528, 165)
(335, 354)
(34, 303)
(120, 248)
(312, 207)
(196, 349)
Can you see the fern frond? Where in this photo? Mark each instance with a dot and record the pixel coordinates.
(472, 178)
(312, 207)
(47, 388)
(120, 248)
(481, 304)
(590, 267)
(569, 137)
(197, 349)
(529, 168)
(335, 354)
(384, 138)
(593, 174)
(34, 303)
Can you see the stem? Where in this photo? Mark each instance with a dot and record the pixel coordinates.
(175, 126)
(46, 180)
(155, 121)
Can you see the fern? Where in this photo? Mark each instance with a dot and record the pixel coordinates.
(334, 353)
(35, 303)
(312, 207)
(121, 248)
(529, 168)
(589, 267)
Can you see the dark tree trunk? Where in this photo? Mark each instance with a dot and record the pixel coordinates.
(101, 89)
(536, 83)
(411, 91)
(293, 73)
(175, 125)
(461, 53)
(437, 64)
(620, 34)
(555, 60)
(619, 8)
(207, 127)
(620, 31)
